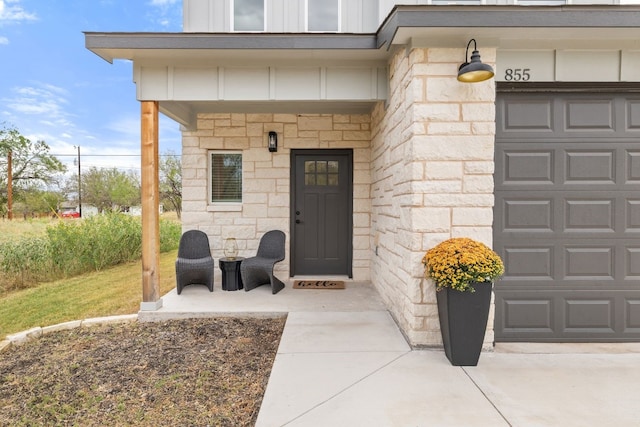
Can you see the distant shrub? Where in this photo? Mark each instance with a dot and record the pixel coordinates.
(170, 232)
(24, 262)
(70, 248)
(94, 243)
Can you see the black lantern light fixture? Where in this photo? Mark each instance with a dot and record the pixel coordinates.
(273, 142)
(474, 71)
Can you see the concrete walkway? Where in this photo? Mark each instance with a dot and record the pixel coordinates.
(355, 369)
(342, 361)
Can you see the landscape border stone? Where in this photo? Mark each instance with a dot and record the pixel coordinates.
(29, 334)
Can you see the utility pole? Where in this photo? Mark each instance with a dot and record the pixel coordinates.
(79, 185)
(9, 187)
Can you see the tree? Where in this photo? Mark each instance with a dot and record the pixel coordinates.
(32, 164)
(43, 201)
(171, 181)
(107, 189)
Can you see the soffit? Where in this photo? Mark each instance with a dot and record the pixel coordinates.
(204, 48)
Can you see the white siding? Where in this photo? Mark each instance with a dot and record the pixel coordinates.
(358, 16)
(548, 65)
(357, 83)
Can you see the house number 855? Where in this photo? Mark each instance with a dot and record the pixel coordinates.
(517, 74)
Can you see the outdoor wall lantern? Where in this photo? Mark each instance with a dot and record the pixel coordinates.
(273, 141)
(474, 71)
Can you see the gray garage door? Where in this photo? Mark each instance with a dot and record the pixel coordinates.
(567, 217)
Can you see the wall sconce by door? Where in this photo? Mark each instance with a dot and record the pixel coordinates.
(273, 142)
(474, 71)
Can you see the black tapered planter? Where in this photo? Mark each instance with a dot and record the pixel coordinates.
(463, 321)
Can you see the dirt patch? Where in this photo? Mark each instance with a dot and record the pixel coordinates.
(202, 372)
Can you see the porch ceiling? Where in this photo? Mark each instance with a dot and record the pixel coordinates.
(185, 112)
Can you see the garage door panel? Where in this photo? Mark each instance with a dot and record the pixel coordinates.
(579, 166)
(589, 315)
(589, 263)
(575, 213)
(521, 115)
(632, 263)
(534, 315)
(632, 215)
(567, 217)
(632, 168)
(525, 167)
(528, 214)
(593, 166)
(589, 215)
(529, 263)
(632, 316)
(632, 108)
(585, 114)
(557, 316)
(569, 264)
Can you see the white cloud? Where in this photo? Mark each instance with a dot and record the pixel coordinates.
(4, 40)
(12, 11)
(162, 2)
(42, 99)
(168, 14)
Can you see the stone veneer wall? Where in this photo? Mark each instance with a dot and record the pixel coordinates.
(266, 176)
(432, 166)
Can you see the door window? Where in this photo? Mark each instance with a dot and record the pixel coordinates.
(321, 172)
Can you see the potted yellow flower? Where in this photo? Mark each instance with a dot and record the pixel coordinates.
(463, 270)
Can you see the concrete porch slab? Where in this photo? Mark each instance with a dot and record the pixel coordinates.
(197, 301)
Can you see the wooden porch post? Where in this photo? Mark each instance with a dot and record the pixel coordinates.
(150, 196)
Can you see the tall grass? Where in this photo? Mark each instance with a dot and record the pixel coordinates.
(69, 248)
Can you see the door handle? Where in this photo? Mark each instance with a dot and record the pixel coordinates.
(297, 221)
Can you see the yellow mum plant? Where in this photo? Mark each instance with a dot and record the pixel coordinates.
(458, 262)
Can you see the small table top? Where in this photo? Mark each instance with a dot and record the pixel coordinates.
(236, 259)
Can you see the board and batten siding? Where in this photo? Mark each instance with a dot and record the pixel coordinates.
(251, 83)
(568, 65)
(282, 16)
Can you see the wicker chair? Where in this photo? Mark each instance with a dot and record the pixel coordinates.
(258, 270)
(195, 263)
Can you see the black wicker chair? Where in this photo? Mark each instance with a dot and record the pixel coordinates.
(258, 270)
(195, 263)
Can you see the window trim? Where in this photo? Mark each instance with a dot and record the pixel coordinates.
(306, 19)
(232, 20)
(218, 205)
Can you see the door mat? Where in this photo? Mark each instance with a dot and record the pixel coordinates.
(318, 284)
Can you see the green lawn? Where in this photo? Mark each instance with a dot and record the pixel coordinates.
(113, 291)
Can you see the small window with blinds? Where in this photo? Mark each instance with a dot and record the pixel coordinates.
(226, 176)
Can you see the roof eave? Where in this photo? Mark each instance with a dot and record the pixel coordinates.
(121, 45)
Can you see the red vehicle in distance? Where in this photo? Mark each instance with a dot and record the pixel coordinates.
(69, 213)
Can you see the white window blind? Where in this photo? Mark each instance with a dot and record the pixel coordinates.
(226, 177)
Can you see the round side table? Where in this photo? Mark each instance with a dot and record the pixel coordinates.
(231, 279)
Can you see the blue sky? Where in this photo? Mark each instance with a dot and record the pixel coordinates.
(53, 89)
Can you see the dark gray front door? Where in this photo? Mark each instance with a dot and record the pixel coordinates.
(567, 216)
(322, 192)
